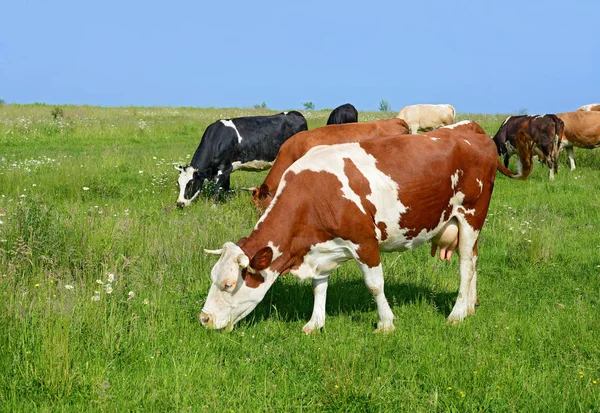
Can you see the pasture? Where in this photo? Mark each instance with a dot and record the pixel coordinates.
(90, 195)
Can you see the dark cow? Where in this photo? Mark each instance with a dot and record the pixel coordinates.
(525, 135)
(297, 146)
(346, 113)
(249, 143)
(353, 201)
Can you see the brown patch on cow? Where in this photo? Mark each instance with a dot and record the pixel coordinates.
(252, 280)
(359, 184)
(383, 228)
(297, 146)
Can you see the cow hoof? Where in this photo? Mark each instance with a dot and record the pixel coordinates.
(385, 329)
(309, 328)
(457, 316)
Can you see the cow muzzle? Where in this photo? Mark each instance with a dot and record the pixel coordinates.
(207, 320)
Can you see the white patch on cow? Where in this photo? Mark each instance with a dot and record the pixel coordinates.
(219, 172)
(454, 125)
(454, 178)
(230, 124)
(185, 176)
(251, 166)
(285, 113)
(325, 257)
(467, 142)
(505, 120)
(435, 139)
(480, 183)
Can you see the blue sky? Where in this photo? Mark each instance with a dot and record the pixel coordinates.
(480, 56)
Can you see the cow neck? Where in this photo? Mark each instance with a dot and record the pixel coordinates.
(292, 247)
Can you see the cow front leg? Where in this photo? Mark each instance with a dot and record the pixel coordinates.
(317, 320)
(223, 181)
(571, 157)
(374, 280)
(467, 292)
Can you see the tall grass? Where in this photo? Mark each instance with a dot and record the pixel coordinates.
(92, 193)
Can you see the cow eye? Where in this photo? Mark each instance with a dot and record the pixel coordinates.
(228, 286)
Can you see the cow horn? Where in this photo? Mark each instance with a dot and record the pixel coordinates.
(178, 167)
(251, 189)
(214, 252)
(243, 261)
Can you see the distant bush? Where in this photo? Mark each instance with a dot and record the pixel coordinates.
(384, 106)
(57, 113)
(522, 111)
(261, 106)
(2, 102)
(308, 106)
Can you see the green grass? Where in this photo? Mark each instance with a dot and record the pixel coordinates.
(533, 344)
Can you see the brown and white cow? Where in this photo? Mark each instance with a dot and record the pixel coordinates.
(582, 129)
(523, 135)
(295, 147)
(590, 107)
(353, 201)
(427, 117)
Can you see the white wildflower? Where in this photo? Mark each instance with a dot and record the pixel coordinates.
(108, 288)
(69, 287)
(100, 282)
(111, 277)
(130, 295)
(146, 301)
(85, 188)
(95, 298)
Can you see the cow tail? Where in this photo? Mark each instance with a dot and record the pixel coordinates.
(506, 172)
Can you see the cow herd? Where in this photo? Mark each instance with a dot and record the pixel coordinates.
(350, 190)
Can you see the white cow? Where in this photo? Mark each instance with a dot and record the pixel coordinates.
(591, 107)
(427, 117)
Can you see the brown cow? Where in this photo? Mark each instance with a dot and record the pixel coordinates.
(582, 129)
(353, 201)
(590, 107)
(295, 147)
(525, 135)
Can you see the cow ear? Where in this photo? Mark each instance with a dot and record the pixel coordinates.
(263, 192)
(262, 259)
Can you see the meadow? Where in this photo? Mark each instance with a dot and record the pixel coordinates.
(102, 280)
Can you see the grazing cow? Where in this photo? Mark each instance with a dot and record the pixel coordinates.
(346, 113)
(353, 201)
(582, 129)
(525, 135)
(249, 143)
(426, 117)
(594, 107)
(295, 147)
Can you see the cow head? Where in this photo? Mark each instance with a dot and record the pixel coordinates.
(237, 286)
(261, 197)
(190, 184)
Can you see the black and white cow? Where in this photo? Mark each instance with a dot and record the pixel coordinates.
(249, 143)
(346, 113)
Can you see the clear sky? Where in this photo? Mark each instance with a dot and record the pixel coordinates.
(480, 56)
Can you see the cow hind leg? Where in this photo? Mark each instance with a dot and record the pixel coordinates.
(467, 292)
(571, 157)
(374, 280)
(317, 320)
